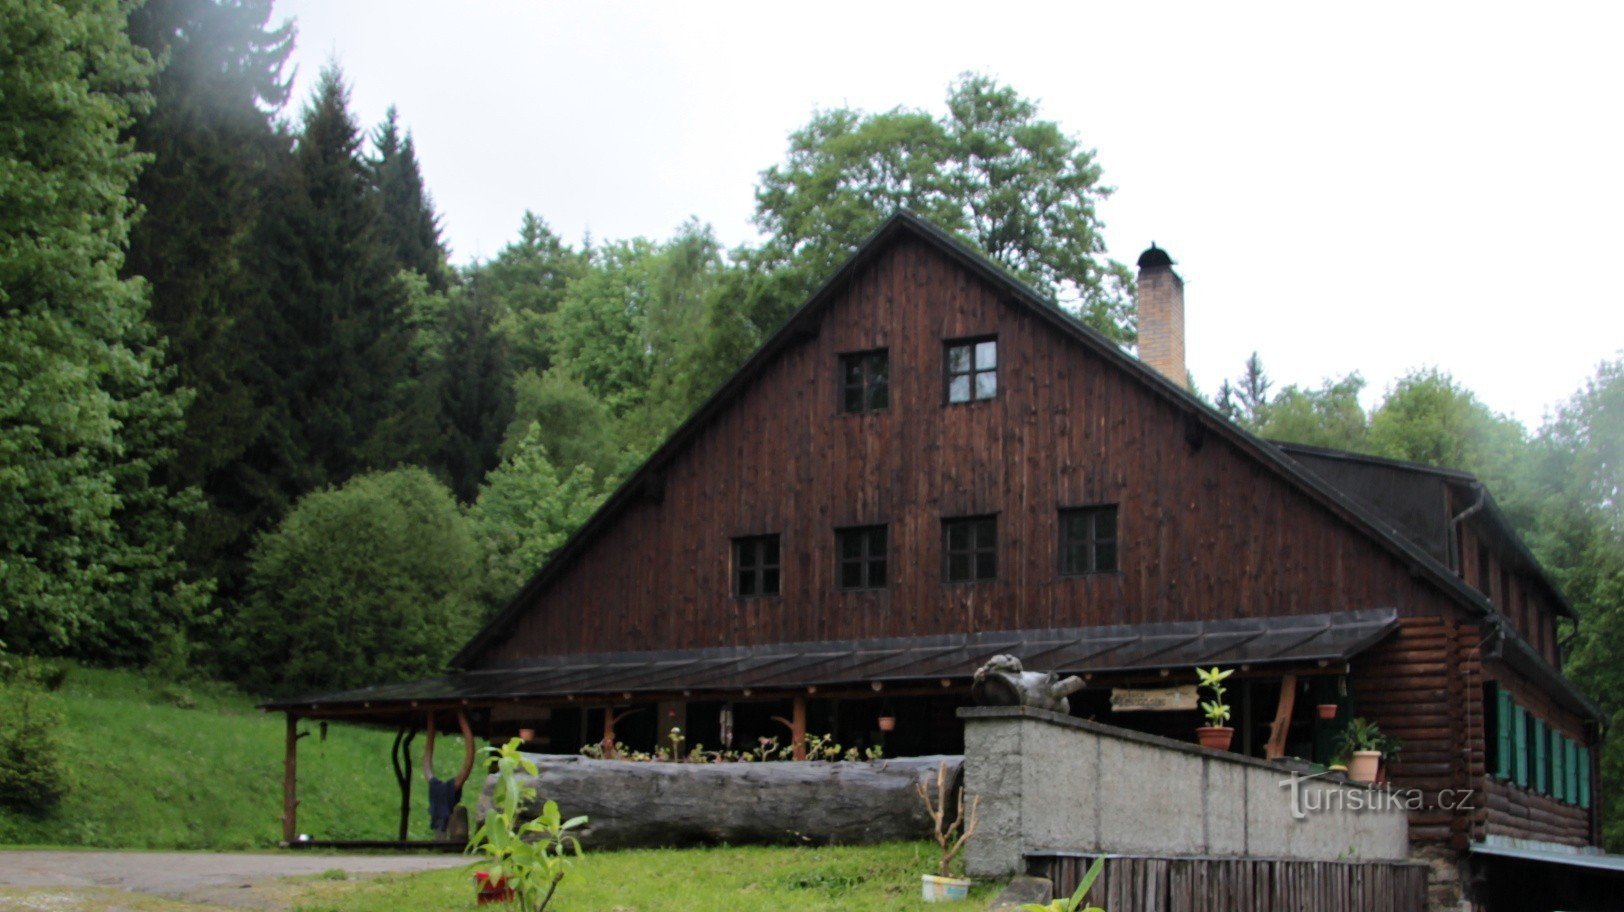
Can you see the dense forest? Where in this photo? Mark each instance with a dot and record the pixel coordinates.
(255, 424)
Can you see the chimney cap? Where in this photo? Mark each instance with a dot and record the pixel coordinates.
(1155, 258)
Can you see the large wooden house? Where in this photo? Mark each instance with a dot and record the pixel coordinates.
(929, 464)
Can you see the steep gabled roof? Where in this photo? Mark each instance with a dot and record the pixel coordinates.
(1200, 419)
(1470, 486)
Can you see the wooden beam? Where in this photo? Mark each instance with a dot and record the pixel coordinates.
(290, 783)
(1276, 748)
(798, 727)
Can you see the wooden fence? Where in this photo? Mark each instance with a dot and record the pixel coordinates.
(1140, 884)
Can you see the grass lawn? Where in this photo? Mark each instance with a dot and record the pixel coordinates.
(742, 879)
(148, 773)
(728, 879)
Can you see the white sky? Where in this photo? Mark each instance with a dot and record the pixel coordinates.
(1362, 187)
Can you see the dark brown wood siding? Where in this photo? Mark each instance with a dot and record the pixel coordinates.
(1205, 532)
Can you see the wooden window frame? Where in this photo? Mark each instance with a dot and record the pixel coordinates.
(975, 553)
(866, 559)
(1092, 541)
(972, 372)
(749, 562)
(867, 383)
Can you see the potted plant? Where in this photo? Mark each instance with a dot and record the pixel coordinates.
(1327, 711)
(1215, 733)
(1361, 742)
(942, 885)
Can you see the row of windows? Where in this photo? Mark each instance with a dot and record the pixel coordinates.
(970, 374)
(1088, 544)
(1536, 756)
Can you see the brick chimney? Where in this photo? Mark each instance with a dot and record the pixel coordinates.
(1161, 316)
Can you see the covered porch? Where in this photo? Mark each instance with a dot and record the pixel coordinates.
(896, 694)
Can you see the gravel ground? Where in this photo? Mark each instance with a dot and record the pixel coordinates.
(203, 877)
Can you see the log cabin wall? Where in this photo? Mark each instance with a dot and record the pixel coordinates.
(1205, 530)
(1418, 686)
(1509, 809)
(1486, 565)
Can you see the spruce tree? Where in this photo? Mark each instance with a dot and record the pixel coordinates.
(211, 145)
(410, 228)
(328, 330)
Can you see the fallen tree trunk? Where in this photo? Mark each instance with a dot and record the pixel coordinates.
(632, 804)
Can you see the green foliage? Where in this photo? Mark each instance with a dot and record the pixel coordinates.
(1360, 734)
(150, 775)
(368, 583)
(525, 511)
(34, 766)
(1216, 710)
(408, 226)
(1074, 903)
(574, 423)
(1014, 186)
(1429, 418)
(211, 145)
(88, 409)
(1330, 416)
(527, 280)
(529, 857)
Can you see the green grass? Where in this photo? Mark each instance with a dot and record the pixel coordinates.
(147, 773)
(730, 879)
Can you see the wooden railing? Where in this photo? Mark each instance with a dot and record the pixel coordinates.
(1144, 884)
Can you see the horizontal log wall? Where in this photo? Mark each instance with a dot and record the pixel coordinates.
(1205, 531)
(1405, 685)
(1130, 884)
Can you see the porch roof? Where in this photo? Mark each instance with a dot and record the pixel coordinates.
(1296, 639)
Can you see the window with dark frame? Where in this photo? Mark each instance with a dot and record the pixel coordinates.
(865, 382)
(970, 549)
(862, 557)
(972, 370)
(755, 565)
(1088, 540)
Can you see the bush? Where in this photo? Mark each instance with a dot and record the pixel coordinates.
(365, 584)
(33, 770)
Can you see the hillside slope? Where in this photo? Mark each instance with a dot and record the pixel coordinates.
(148, 773)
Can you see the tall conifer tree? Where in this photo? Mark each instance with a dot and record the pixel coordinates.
(410, 228)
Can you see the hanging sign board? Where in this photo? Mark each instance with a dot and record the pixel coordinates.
(1153, 699)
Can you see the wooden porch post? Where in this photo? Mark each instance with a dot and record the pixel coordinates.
(1281, 726)
(290, 783)
(797, 729)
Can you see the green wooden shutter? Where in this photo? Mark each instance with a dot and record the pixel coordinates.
(1542, 766)
(1573, 771)
(1519, 744)
(1584, 776)
(1503, 722)
(1559, 766)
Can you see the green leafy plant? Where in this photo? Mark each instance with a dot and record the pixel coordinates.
(1075, 902)
(1212, 680)
(527, 860)
(1361, 734)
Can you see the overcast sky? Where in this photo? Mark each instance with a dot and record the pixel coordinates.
(1367, 188)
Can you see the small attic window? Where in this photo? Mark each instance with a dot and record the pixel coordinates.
(972, 370)
(865, 382)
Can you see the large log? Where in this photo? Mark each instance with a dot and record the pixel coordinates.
(672, 804)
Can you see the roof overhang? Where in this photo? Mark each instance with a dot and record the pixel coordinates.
(731, 671)
(1521, 874)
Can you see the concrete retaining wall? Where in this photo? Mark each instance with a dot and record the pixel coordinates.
(1054, 784)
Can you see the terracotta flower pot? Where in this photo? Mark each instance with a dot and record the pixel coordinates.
(527, 734)
(1362, 768)
(1218, 737)
(888, 723)
(1327, 710)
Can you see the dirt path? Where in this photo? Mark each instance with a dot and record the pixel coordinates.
(213, 878)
